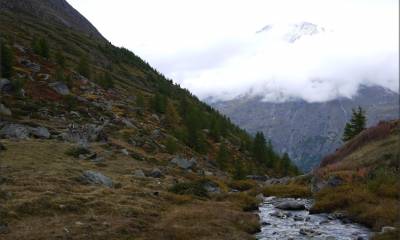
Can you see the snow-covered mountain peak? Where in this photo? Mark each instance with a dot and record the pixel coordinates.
(292, 32)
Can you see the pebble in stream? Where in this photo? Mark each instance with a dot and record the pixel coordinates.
(283, 224)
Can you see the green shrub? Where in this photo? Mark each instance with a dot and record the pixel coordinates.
(195, 188)
(76, 151)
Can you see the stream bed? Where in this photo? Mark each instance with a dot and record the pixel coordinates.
(300, 224)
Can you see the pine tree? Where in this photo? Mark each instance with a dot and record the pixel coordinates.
(7, 60)
(356, 124)
(140, 102)
(44, 48)
(171, 115)
(223, 157)
(60, 59)
(239, 172)
(84, 67)
(259, 148)
(106, 81)
(159, 103)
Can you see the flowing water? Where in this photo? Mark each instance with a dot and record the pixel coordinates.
(282, 224)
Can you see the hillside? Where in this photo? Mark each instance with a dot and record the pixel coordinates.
(309, 131)
(95, 143)
(361, 179)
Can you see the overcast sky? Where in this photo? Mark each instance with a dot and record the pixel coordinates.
(213, 48)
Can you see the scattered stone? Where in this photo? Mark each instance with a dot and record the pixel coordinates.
(280, 214)
(2, 148)
(274, 181)
(298, 218)
(330, 238)
(4, 110)
(257, 178)
(40, 132)
(4, 228)
(6, 86)
(386, 229)
(291, 205)
(83, 134)
(125, 152)
(323, 222)
(308, 232)
(139, 174)
(60, 88)
(184, 163)
(96, 178)
(128, 123)
(211, 187)
(265, 224)
(260, 197)
(156, 173)
(208, 173)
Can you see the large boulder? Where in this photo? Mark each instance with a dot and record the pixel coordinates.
(40, 132)
(184, 163)
(19, 131)
(83, 134)
(15, 131)
(60, 88)
(291, 205)
(96, 178)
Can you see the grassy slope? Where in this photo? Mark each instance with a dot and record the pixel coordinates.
(369, 167)
(42, 199)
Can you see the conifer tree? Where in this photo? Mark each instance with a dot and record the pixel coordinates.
(7, 60)
(223, 157)
(356, 124)
(83, 66)
(171, 115)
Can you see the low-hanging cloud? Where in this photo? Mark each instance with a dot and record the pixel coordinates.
(319, 67)
(215, 48)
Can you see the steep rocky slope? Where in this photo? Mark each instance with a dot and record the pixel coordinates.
(309, 131)
(96, 144)
(53, 11)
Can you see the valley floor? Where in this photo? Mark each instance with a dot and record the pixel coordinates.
(43, 196)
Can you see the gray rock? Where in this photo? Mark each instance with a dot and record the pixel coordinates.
(125, 152)
(96, 178)
(280, 214)
(15, 131)
(139, 174)
(156, 173)
(330, 238)
(40, 132)
(4, 110)
(4, 229)
(60, 88)
(128, 123)
(308, 232)
(83, 134)
(211, 187)
(257, 178)
(291, 205)
(298, 218)
(184, 163)
(386, 229)
(5, 85)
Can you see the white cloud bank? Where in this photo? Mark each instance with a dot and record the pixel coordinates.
(211, 47)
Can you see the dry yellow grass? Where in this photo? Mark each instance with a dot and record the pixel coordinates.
(40, 198)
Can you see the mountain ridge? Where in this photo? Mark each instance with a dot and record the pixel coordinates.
(59, 11)
(288, 125)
